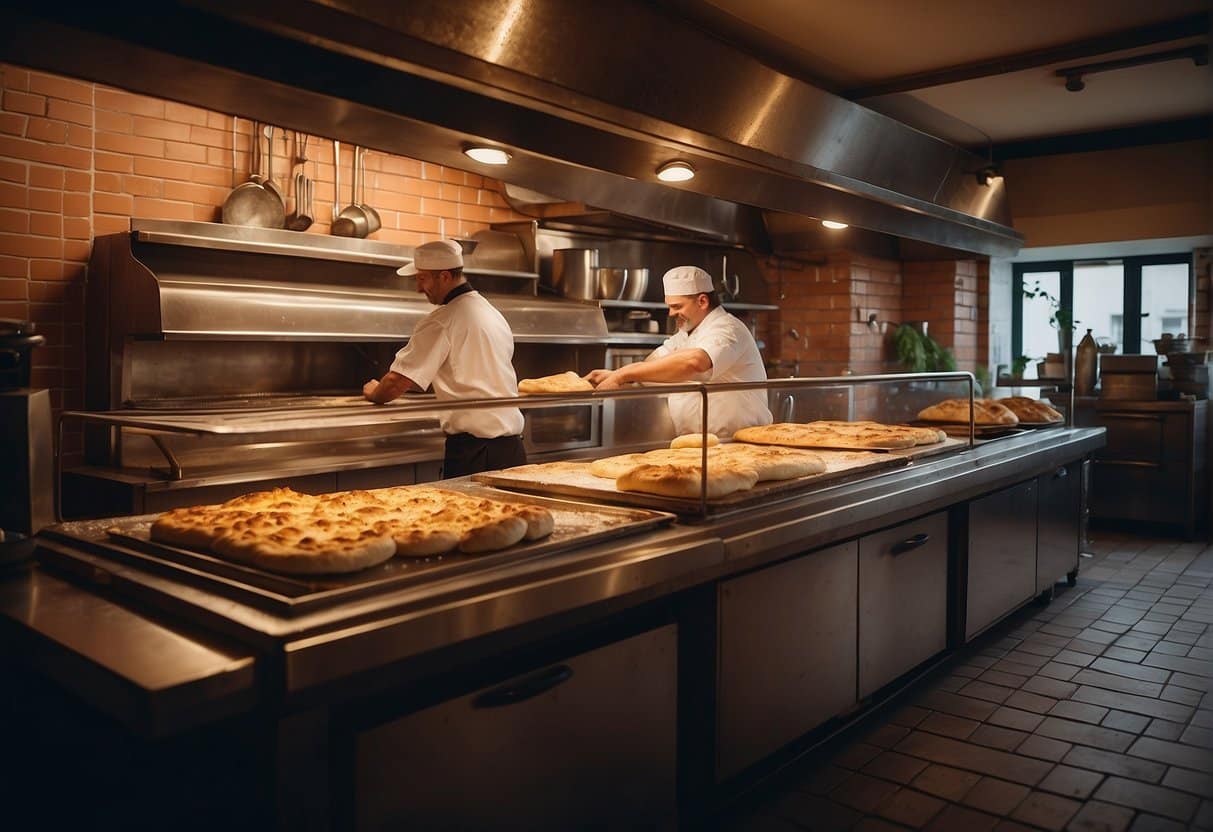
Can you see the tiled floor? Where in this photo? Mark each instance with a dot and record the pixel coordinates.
(1092, 713)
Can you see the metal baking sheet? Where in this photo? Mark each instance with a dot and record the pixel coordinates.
(947, 446)
(575, 480)
(127, 539)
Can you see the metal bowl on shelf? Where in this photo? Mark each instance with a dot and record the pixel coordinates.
(611, 282)
(637, 283)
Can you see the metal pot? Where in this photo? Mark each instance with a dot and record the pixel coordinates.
(637, 283)
(573, 272)
(610, 282)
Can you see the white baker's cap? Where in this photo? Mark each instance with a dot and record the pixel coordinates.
(435, 256)
(687, 280)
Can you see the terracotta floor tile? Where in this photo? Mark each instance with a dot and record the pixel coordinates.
(1015, 718)
(812, 812)
(994, 736)
(948, 725)
(863, 793)
(896, 767)
(1050, 687)
(1047, 811)
(1137, 704)
(1154, 799)
(1198, 759)
(1068, 781)
(912, 808)
(974, 758)
(998, 797)
(1125, 721)
(1100, 817)
(945, 781)
(1199, 783)
(959, 819)
(1033, 702)
(1083, 734)
(1130, 669)
(1121, 765)
(1069, 709)
(1122, 684)
(1043, 748)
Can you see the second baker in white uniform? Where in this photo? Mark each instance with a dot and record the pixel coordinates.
(711, 346)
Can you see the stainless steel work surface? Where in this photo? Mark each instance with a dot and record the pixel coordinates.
(127, 539)
(575, 479)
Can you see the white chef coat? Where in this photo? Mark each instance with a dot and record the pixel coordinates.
(735, 357)
(464, 348)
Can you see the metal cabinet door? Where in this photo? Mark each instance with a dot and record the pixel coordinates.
(596, 747)
(1059, 524)
(1001, 556)
(903, 599)
(787, 640)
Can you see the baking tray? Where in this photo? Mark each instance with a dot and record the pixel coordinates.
(579, 482)
(961, 429)
(127, 539)
(947, 446)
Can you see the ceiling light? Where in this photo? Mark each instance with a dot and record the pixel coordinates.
(833, 224)
(488, 155)
(675, 172)
(989, 175)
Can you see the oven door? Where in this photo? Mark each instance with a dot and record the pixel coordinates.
(562, 428)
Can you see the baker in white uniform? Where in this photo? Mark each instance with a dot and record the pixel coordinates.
(464, 348)
(711, 345)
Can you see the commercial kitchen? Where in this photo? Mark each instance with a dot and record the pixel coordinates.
(203, 207)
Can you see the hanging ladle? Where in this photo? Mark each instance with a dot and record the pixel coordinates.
(352, 220)
(373, 221)
(252, 202)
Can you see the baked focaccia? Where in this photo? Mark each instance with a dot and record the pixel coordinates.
(1031, 410)
(985, 412)
(568, 382)
(686, 481)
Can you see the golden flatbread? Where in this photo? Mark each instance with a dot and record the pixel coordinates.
(1031, 410)
(828, 435)
(694, 440)
(773, 462)
(568, 382)
(985, 412)
(686, 481)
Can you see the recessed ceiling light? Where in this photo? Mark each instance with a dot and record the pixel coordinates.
(833, 224)
(675, 172)
(488, 155)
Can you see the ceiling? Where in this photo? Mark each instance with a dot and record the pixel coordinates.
(891, 56)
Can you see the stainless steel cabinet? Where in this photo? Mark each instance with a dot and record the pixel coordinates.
(591, 739)
(1059, 524)
(787, 641)
(903, 599)
(1001, 555)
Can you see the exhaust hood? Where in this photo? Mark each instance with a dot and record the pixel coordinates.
(589, 98)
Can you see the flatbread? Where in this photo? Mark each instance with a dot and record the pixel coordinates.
(1031, 410)
(694, 440)
(686, 481)
(985, 412)
(612, 466)
(568, 382)
(828, 435)
(285, 531)
(773, 462)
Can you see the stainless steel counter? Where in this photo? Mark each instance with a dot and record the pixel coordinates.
(160, 655)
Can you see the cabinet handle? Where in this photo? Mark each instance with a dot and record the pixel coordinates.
(1061, 473)
(910, 543)
(525, 688)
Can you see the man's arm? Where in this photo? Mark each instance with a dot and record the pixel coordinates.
(391, 386)
(680, 365)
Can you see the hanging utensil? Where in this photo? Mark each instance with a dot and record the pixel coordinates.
(351, 221)
(269, 174)
(373, 221)
(252, 202)
(299, 219)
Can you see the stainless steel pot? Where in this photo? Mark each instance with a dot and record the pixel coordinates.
(573, 272)
(611, 282)
(637, 284)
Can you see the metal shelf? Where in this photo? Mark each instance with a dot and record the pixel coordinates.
(645, 304)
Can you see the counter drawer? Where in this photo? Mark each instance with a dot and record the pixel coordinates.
(903, 599)
(787, 637)
(590, 738)
(1001, 555)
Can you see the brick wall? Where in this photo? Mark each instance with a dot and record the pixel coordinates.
(79, 159)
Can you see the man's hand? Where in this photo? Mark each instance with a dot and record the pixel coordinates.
(368, 389)
(606, 380)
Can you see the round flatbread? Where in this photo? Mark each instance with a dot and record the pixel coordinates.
(686, 481)
(773, 462)
(694, 440)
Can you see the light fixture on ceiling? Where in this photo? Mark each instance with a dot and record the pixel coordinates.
(989, 175)
(834, 224)
(1074, 74)
(487, 155)
(675, 172)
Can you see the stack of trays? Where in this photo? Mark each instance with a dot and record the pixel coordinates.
(1128, 377)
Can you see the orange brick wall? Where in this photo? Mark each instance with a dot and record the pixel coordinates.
(79, 159)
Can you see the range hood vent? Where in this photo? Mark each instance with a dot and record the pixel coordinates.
(590, 98)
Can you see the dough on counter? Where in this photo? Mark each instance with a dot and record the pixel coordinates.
(568, 382)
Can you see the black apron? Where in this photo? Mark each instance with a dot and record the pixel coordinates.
(468, 454)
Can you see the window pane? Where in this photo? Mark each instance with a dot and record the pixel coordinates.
(1039, 337)
(1164, 302)
(1099, 301)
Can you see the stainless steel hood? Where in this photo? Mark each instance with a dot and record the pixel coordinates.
(589, 97)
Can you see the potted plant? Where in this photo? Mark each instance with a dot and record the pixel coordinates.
(1060, 319)
(1018, 365)
(919, 352)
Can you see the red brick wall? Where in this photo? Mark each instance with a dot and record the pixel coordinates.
(79, 159)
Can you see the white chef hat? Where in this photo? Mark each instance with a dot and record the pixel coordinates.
(687, 280)
(435, 256)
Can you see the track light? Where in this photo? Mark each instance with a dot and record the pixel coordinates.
(834, 224)
(488, 155)
(989, 175)
(675, 172)
(1199, 55)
